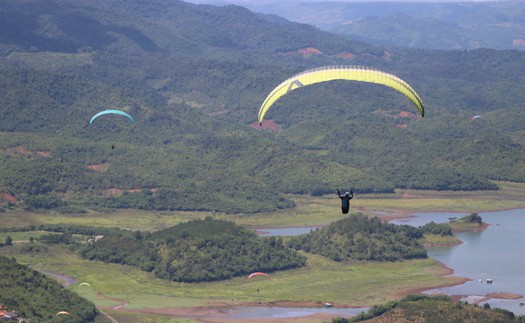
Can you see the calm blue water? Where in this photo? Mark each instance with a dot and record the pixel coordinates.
(251, 312)
(269, 232)
(496, 253)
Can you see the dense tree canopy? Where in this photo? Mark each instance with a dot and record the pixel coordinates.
(200, 250)
(359, 237)
(432, 309)
(36, 297)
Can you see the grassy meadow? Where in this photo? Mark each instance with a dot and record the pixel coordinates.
(322, 280)
(318, 211)
(346, 284)
(310, 211)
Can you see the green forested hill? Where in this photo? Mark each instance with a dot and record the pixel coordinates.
(196, 251)
(358, 237)
(36, 297)
(423, 308)
(193, 77)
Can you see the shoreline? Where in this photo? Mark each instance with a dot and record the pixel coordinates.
(383, 215)
(398, 214)
(213, 313)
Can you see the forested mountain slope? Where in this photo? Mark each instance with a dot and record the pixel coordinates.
(194, 76)
(34, 296)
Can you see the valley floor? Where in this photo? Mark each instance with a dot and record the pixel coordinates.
(130, 295)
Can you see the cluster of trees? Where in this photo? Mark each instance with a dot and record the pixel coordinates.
(8, 242)
(440, 308)
(446, 229)
(35, 297)
(472, 218)
(123, 249)
(441, 229)
(359, 237)
(64, 238)
(200, 250)
(65, 228)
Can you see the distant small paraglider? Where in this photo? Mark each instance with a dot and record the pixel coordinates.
(258, 274)
(118, 112)
(84, 284)
(476, 117)
(62, 313)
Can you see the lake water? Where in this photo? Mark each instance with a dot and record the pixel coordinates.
(251, 312)
(496, 253)
(272, 232)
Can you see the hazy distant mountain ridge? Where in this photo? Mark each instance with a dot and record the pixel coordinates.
(433, 25)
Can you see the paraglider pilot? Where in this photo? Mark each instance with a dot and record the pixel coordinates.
(345, 200)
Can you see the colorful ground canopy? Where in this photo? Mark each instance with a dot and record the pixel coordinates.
(330, 73)
(111, 111)
(258, 274)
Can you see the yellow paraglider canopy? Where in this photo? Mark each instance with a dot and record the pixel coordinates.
(62, 313)
(330, 73)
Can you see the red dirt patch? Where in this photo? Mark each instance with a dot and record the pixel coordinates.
(504, 296)
(8, 197)
(99, 167)
(349, 56)
(44, 154)
(28, 153)
(406, 114)
(268, 125)
(19, 150)
(309, 51)
(518, 42)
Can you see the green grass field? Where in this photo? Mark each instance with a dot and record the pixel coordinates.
(355, 284)
(439, 240)
(310, 211)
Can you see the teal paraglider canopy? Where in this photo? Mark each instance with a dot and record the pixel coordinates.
(111, 112)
